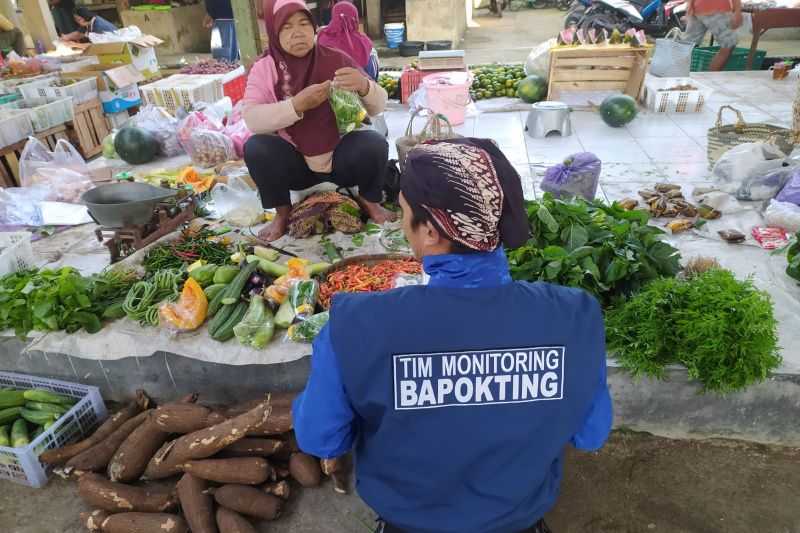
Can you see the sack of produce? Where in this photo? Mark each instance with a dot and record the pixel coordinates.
(209, 148)
(784, 215)
(538, 61)
(347, 108)
(746, 171)
(307, 330)
(163, 126)
(63, 170)
(257, 326)
(791, 191)
(197, 120)
(578, 175)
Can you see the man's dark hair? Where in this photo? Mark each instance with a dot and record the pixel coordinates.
(420, 215)
(83, 13)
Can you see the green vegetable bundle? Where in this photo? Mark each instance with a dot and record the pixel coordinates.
(793, 255)
(347, 108)
(603, 249)
(720, 328)
(52, 300)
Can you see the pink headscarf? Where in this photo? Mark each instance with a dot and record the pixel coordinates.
(342, 33)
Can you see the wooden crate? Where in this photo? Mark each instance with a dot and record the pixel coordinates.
(9, 156)
(89, 128)
(614, 67)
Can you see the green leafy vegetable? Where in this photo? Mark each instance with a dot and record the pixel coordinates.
(604, 249)
(721, 329)
(347, 108)
(793, 256)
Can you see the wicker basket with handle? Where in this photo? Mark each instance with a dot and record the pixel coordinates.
(437, 128)
(722, 138)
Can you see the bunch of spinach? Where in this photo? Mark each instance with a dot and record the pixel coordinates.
(603, 249)
(793, 256)
(721, 329)
(62, 299)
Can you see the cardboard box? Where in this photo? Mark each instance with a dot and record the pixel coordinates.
(140, 53)
(118, 87)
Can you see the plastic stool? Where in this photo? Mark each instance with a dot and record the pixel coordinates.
(547, 117)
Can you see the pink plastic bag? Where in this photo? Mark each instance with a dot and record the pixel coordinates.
(238, 133)
(197, 120)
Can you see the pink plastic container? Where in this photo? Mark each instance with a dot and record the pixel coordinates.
(448, 93)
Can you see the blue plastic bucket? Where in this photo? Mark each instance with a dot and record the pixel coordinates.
(395, 34)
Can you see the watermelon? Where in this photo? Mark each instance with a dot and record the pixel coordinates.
(617, 110)
(532, 89)
(135, 145)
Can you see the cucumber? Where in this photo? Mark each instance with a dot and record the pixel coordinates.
(48, 424)
(225, 332)
(225, 274)
(266, 253)
(4, 438)
(285, 315)
(220, 318)
(11, 398)
(216, 302)
(9, 414)
(37, 417)
(46, 396)
(53, 408)
(234, 289)
(212, 290)
(229, 301)
(268, 267)
(19, 434)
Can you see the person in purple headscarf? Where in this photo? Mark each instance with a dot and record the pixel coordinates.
(343, 34)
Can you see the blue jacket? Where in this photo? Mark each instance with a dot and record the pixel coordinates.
(460, 396)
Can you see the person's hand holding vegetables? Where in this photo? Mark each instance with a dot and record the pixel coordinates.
(351, 79)
(311, 97)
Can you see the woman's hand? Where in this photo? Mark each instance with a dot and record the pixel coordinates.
(351, 79)
(311, 97)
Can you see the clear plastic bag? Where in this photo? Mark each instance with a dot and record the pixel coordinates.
(538, 61)
(307, 330)
(578, 175)
(209, 148)
(197, 120)
(19, 206)
(63, 170)
(238, 134)
(791, 191)
(745, 171)
(163, 126)
(257, 326)
(784, 215)
(347, 108)
(237, 203)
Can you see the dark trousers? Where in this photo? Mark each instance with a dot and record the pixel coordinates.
(277, 167)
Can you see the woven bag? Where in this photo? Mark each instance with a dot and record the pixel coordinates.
(722, 138)
(437, 128)
(672, 57)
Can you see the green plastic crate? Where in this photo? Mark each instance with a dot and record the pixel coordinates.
(702, 56)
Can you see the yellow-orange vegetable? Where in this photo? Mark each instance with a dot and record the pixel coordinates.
(198, 182)
(189, 312)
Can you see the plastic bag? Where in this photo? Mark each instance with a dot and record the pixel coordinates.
(20, 206)
(197, 120)
(189, 312)
(791, 191)
(209, 148)
(163, 126)
(238, 134)
(63, 170)
(784, 215)
(307, 330)
(237, 203)
(538, 62)
(257, 326)
(743, 171)
(579, 174)
(303, 296)
(282, 286)
(347, 108)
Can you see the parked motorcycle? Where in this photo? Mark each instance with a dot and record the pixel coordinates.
(577, 10)
(653, 16)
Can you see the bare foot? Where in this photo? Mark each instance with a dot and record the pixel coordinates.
(275, 229)
(378, 213)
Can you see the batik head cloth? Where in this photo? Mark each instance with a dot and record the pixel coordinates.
(471, 191)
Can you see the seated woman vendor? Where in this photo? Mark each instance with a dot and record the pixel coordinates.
(296, 143)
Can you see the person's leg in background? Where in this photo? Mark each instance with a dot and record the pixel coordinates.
(360, 160)
(723, 27)
(277, 168)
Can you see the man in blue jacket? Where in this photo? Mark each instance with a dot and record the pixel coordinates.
(459, 397)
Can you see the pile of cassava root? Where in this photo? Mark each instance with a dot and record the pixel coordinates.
(183, 466)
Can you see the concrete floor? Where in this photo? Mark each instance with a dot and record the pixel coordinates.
(510, 39)
(637, 483)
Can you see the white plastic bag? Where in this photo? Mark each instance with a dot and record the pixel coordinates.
(162, 125)
(237, 203)
(20, 206)
(538, 61)
(742, 171)
(63, 170)
(783, 215)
